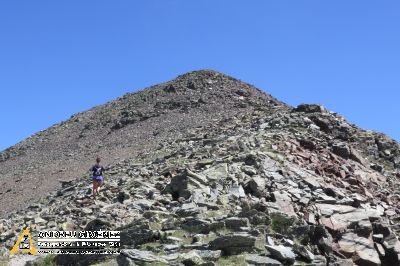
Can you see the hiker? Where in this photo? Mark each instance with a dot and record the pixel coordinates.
(97, 176)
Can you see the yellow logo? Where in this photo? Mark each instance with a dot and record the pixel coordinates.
(24, 243)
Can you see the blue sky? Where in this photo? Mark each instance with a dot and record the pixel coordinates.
(58, 58)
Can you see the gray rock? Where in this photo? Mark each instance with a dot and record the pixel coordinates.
(172, 247)
(123, 260)
(282, 253)
(142, 204)
(319, 260)
(258, 260)
(356, 156)
(196, 225)
(310, 108)
(342, 262)
(122, 195)
(237, 192)
(341, 149)
(183, 184)
(211, 255)
(308, 144)
(137, 235)
(284, 202)
(362, 248)
(303, 252)
(256, 185)
(325, 245)
(97, 225)
(250, 170)
(217, 172)
(309, 178)
(189, 209)
(142, 256)
(190, 258)
(39, 221)
(86, 211)
(233, 244)
(320, 236)
(235, 223)
(358, 219)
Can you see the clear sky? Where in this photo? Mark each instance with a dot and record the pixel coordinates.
(58, 58)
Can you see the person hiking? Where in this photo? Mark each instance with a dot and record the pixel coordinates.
(97, 176)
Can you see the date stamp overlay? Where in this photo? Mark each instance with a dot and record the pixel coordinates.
(68, 242)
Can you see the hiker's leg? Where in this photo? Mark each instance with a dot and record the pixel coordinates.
(98, 187)
(95, 187)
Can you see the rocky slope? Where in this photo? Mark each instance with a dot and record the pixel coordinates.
(206, 170)
(134, 124)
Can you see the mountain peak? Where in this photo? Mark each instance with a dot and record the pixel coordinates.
(202, 73)
(126, 126)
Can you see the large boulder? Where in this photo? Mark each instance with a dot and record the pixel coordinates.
(360, 249)
(310, 108)
(233, 244)
(137, 234)
(196, 225)
(282, 253)
(341, 149)
(183, 184)
(256, 186)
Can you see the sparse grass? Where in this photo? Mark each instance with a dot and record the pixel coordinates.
(110, 262)
(223, 231)
(214, 213)
(233, 260)
(181, 234)
(156, 264)
(155, 226)
(281, 223)
(47, 260)
(154, 247)
(260, 243)
(208, 238)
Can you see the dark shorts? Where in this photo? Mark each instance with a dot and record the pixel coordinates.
(97, 178)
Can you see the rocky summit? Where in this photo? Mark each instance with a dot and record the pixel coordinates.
(208, 170)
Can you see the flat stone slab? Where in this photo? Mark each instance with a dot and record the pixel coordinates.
(282, 253)
(258, 260)
(142, 255)
(330, 209)
(217, 172)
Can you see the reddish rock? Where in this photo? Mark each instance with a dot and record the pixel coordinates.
(360, 249)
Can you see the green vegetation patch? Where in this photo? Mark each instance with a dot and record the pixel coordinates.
(233, 260)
